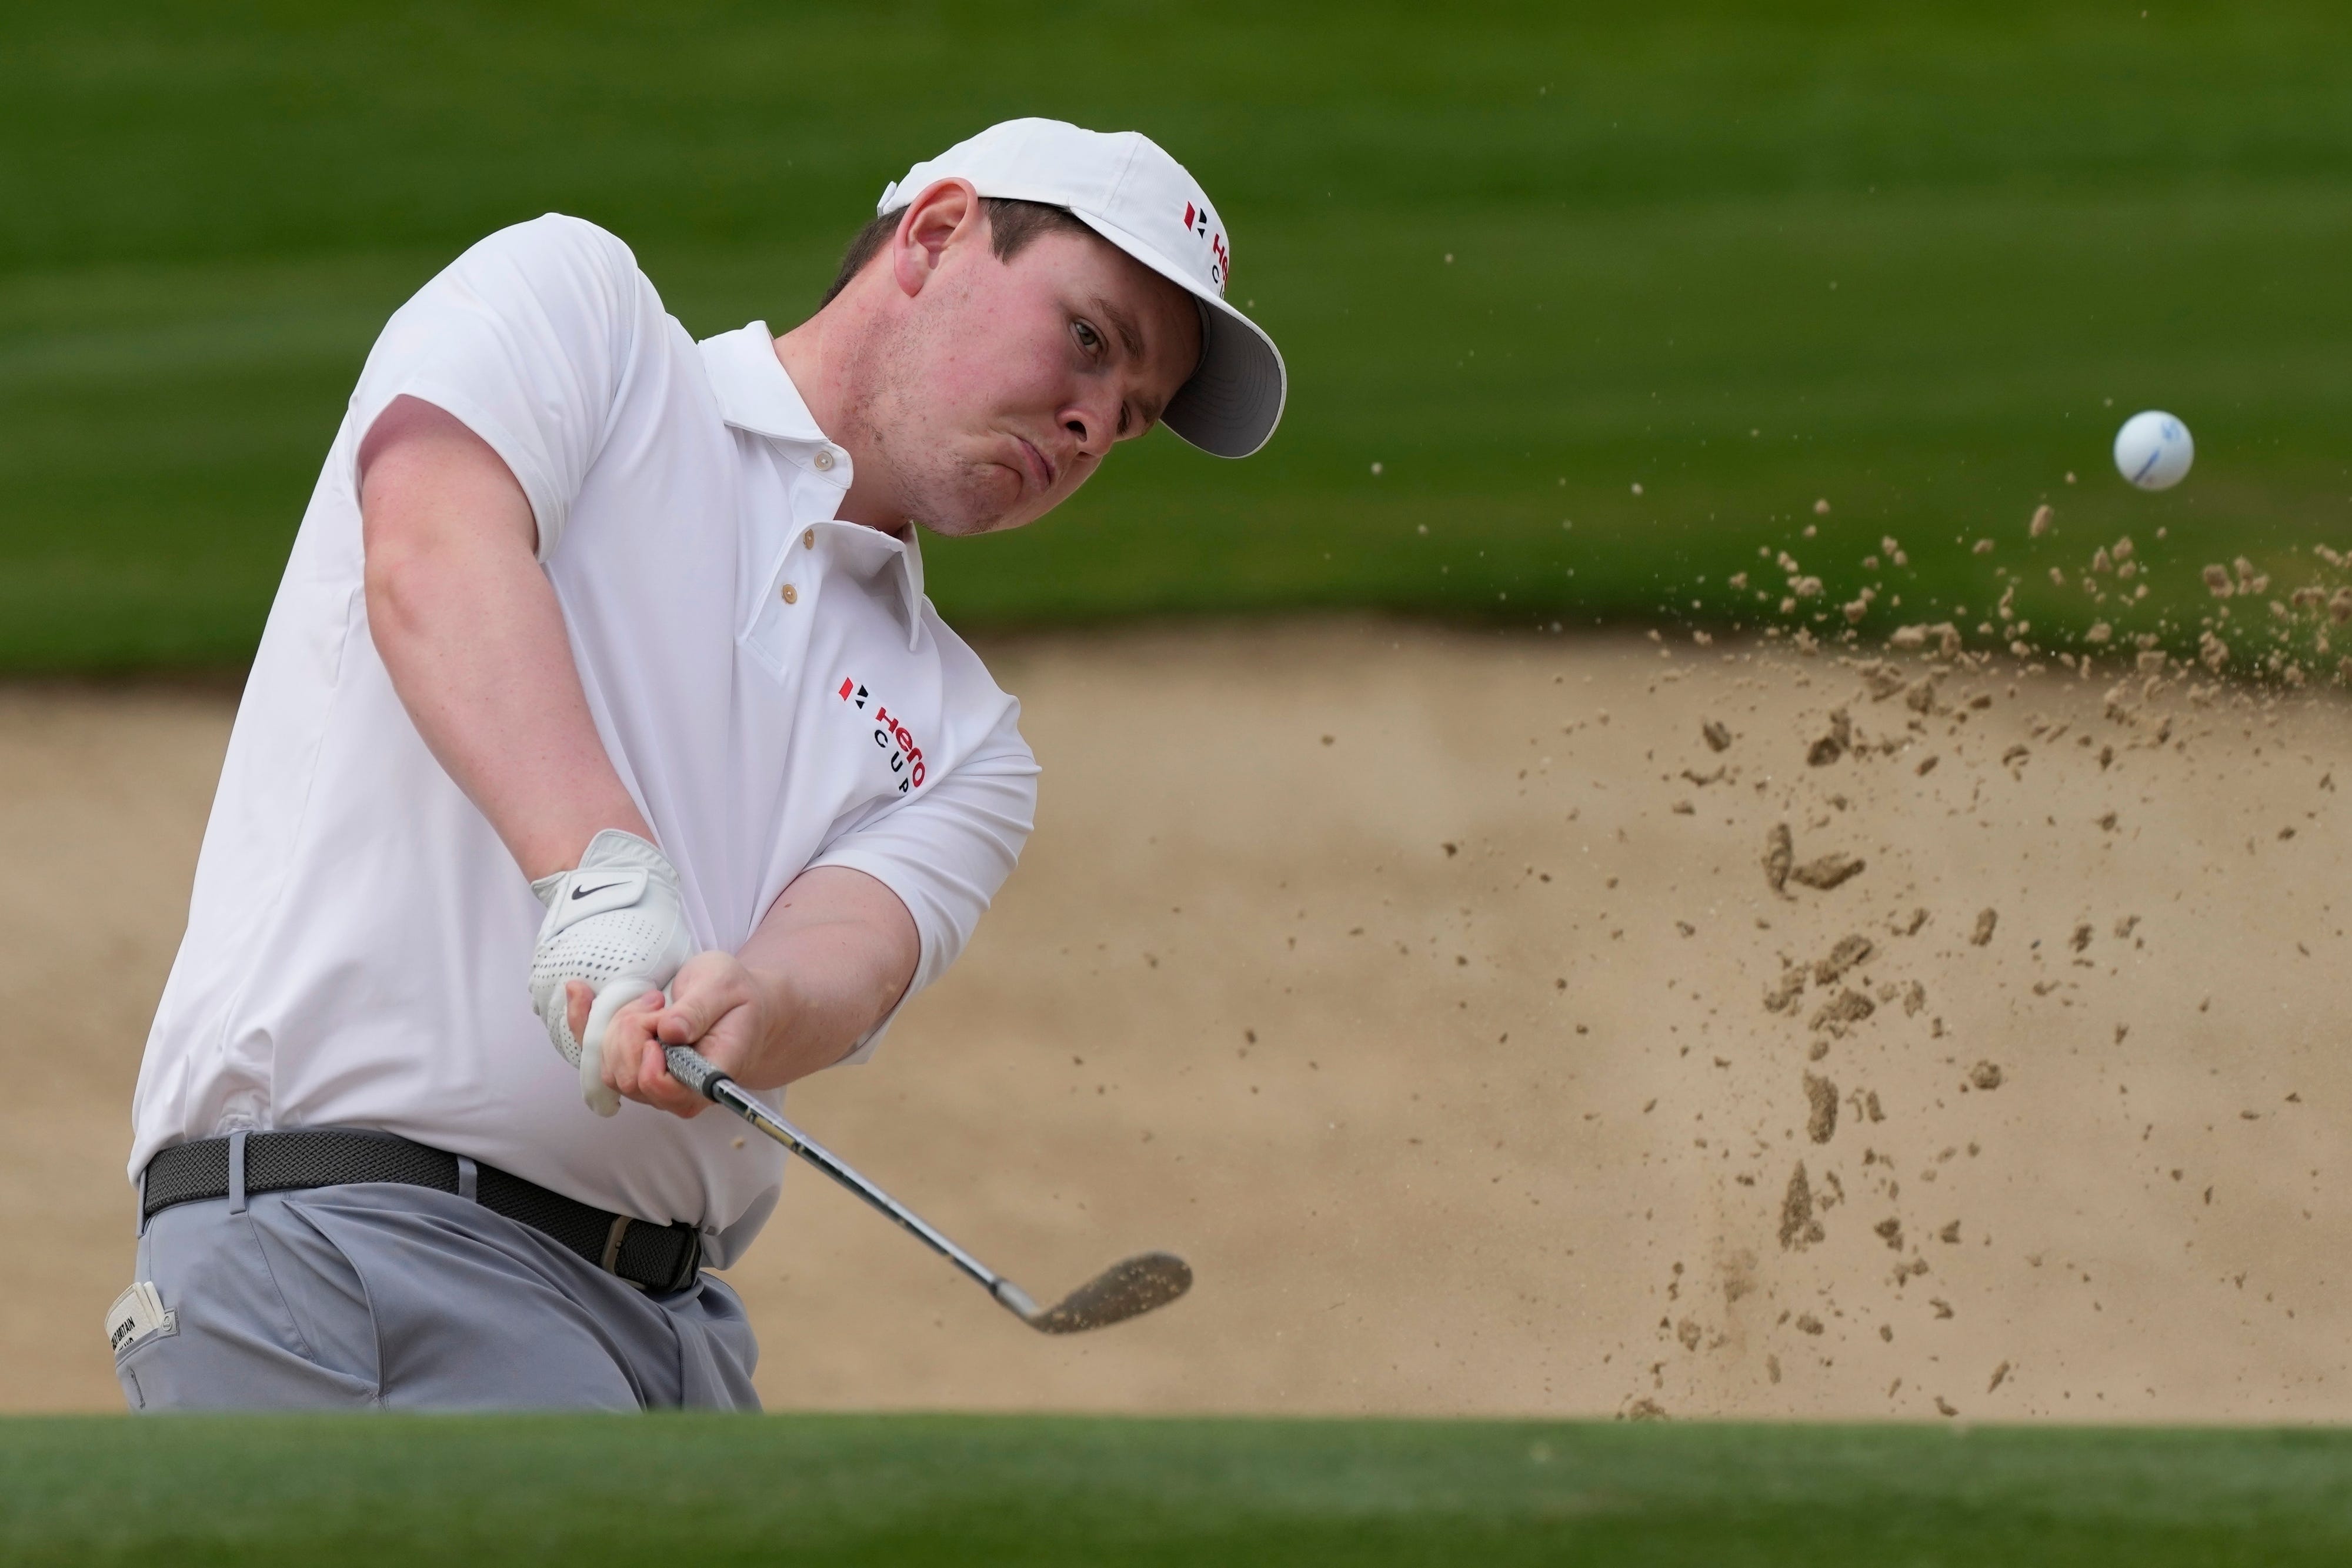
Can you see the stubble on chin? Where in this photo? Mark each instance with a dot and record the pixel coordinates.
(937, 487)
(948, 494)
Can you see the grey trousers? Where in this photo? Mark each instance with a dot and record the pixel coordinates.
(382, 1296)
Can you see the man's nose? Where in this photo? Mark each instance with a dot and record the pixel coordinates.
(1093, 425)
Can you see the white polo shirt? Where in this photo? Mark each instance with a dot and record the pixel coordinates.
(773, 685)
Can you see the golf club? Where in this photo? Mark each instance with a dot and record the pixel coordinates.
(1125, 1290)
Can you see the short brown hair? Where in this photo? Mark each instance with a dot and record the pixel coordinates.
(1012, 225)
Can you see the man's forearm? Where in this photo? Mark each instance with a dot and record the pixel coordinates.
(838, 950)
(470, 630)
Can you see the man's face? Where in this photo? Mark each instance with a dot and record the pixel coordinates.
(1002, 385)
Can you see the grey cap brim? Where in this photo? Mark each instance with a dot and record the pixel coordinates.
(1232, 402)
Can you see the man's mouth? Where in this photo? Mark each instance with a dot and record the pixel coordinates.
(1041, 470)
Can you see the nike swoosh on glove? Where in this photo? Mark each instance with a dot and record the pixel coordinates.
(616, 921)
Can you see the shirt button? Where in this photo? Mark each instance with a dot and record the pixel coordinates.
(823, 459)
(808, 539)
(792, 594)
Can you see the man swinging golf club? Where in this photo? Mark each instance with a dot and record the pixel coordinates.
(602, 665)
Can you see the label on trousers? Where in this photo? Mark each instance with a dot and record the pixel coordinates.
(137, 1313)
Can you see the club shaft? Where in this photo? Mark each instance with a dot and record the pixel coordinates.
(726, 1091)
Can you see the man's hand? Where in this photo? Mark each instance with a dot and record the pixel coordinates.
(721, 1007)
(615, 923)
(829, 961)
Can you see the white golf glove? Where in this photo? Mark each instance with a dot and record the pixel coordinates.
(615, 922)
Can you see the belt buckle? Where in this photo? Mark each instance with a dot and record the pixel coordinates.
(689, 1262)
(611, 1261)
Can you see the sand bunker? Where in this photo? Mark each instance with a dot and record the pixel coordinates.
(1425, 991)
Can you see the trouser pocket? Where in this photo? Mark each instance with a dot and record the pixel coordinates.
(255, 1324)
(137, 1317)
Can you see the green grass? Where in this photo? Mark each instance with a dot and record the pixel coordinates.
(1039, 1491)
(2037, 218)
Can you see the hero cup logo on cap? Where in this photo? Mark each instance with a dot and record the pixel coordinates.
(1221, 262)
(1127, 189)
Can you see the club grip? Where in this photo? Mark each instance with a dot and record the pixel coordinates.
(691, 1068)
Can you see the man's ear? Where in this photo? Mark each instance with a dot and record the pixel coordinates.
(946, 214)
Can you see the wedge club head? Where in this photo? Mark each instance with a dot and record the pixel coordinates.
(1127, 1289)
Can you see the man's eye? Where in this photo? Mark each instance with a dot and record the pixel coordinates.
(1088, 339)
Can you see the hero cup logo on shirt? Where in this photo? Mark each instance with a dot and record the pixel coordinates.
(893, 738)
(1197, 223)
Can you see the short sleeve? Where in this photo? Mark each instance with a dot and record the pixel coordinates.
(526, 340)
(947, 851)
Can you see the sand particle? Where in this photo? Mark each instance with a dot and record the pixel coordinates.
(1846, 1008)
(1799, 1229)
(1834, 742)
(1849, 952)
(1779, 852)
(1883, 678)
(1829, 871)
(1782, 998)
(1986, 920)
(1821, 1122)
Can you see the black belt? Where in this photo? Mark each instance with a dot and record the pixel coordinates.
(659, 1258)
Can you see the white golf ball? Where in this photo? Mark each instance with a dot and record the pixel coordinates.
(2153, 450)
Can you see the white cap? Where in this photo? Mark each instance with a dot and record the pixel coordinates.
(1125, 188)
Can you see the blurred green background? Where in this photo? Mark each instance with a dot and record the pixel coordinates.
(1917, 261)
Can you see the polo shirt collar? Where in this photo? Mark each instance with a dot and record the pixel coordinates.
(756, 395)
(754, 391)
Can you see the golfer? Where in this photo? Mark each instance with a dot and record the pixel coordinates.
(601, 707)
